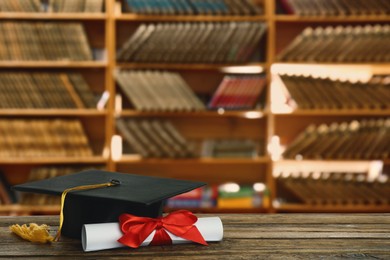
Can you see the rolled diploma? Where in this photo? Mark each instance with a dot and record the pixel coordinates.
(102, 236)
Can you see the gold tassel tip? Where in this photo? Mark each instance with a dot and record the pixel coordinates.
(33, 232)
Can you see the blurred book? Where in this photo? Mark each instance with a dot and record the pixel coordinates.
(357, 139)
(355, 44)
(203, 197)
(34, 138)
(232, 148)
(333, 7)
(185, 42)
(333, 188)
(157, 91)
(236, 196)
(223, 196)
(36, 41)
(193, 7)
(154, 138)
(55, 6)
(325, 93)
(42, 90)
(239, 92)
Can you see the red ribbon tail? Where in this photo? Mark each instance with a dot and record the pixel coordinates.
(194, 235)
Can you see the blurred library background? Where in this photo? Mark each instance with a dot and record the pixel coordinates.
(278, 105)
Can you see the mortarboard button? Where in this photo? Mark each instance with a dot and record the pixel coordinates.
(135, 194)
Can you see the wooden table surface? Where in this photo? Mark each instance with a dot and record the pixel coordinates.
(246, 236)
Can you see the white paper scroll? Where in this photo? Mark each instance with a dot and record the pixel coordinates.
(96, 237)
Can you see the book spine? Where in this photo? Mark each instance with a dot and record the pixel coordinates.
(218, 93)
(129, 137)
(36, 138)
(135, 41)
(142, 137)
(69, 97)
(174, 147)
(4, 55)
(174, 43)
(35, 99)
(155, 138)
(186, 93)
(179, 138)
(93, 6)
(72, 6)
(82, 89)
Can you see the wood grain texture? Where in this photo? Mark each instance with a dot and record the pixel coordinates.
(246, 236)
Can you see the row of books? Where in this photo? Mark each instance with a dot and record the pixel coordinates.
(154, 138)
(238, 92)
(363, 139)
(368, 43)
(226, 195)
(44, 90)
(211, 42)
(334, 7)
(234, 195)
(223, 196)
(157, 91)
(335, 188)
(232, 148)
(32, 138)
(168, 91)
(192, 7)
(65, 6)
(10, 196)
(43, 41)
(323, 93)
(203, 197)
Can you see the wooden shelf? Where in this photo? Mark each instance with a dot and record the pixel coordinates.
(332, 208)
(332, 19)
(52, 64)
(188, 66)
(53, 160)
(250, 114)
(130, 159)
(338, 64)
(336, 112)
(187, 18)
(374, 67)
(53, 16)
(52, 112)
(207, 170)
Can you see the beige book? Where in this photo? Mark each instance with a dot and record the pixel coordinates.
(93, 6)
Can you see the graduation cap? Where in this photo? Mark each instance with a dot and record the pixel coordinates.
(134, 194)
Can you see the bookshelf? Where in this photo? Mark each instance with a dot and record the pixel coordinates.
(109, 30)
(286, 28)
(95, 72)
(199, 125)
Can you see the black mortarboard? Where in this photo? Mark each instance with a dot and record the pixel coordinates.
(136, 194)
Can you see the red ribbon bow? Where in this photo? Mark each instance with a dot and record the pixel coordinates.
(180, 223)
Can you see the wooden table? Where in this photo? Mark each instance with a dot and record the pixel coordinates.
(246, 236)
